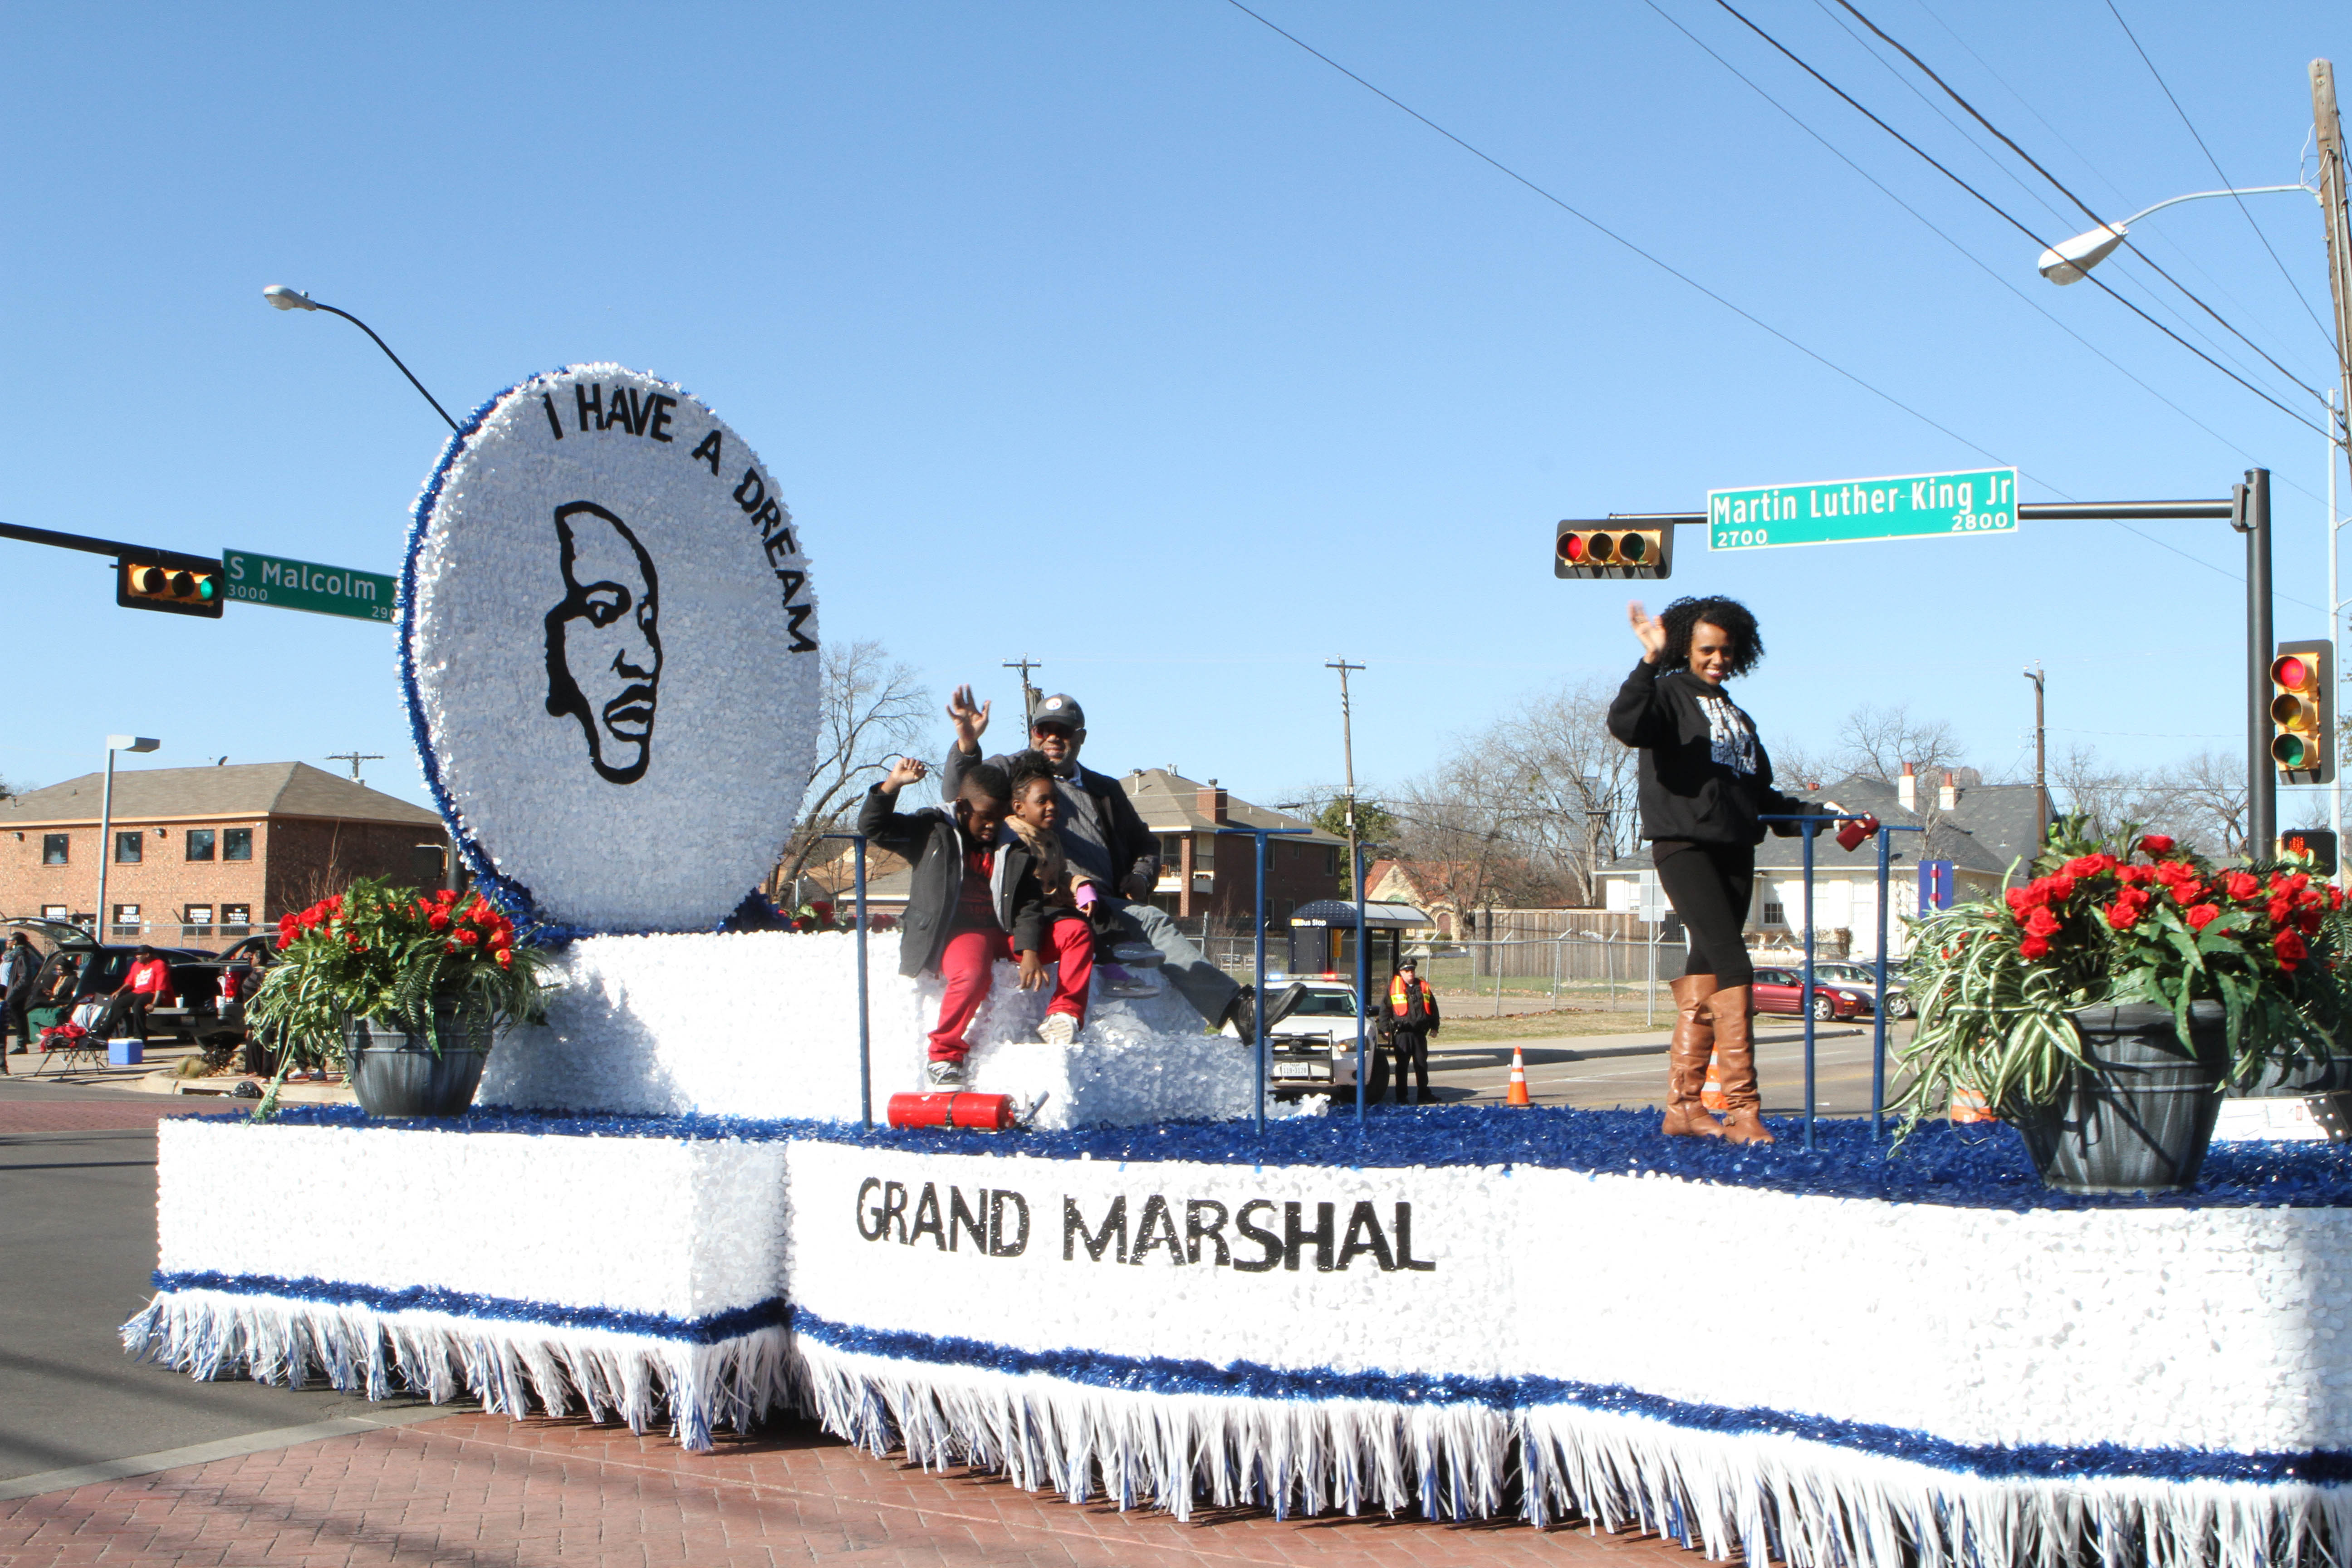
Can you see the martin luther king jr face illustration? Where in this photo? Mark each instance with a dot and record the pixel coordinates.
(603, 641)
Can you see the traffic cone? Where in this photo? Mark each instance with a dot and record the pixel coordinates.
(1711, 1095)
(1517, 1094)
(1969, 1106)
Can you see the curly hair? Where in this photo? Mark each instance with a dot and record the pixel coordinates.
(1730, 614)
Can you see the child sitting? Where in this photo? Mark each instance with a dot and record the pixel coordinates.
(975, 898)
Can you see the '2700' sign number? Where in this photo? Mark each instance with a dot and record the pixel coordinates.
(1840, 512)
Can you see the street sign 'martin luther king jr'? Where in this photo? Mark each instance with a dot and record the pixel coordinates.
(1843, 511)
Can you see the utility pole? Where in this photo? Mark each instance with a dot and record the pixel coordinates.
(2333, 215)
(2337, 221)
(1347, 748)
(2041, 764)
(1029, 694)
(1355, 881)
(355, 759)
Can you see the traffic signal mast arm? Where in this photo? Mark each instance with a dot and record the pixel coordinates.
(178, 560)
(144, 578)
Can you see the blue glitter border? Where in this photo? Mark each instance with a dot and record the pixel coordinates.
(709, 1330)
(1941, 1165)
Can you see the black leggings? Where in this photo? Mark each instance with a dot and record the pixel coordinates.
(1709, 884)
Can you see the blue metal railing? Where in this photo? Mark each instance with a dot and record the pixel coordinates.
(1257, 983)
(1805, 993)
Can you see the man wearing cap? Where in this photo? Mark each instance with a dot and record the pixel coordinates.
(1107, 839)
(1413, 1019)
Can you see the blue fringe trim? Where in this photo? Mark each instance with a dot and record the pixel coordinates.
(715, 1328)
(1946, 1167)
(1252, 1380)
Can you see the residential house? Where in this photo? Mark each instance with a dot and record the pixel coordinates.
(1982, 829)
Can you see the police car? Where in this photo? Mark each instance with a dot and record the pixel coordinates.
(1313, 1051)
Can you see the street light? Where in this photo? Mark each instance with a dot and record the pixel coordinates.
(2070, 259)
(105, 817)
(281, 298)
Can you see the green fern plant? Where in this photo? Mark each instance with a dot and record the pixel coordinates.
(391, 953)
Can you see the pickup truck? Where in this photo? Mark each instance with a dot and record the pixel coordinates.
(78, 967)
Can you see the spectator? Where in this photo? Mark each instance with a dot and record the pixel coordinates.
(1413, 1019)
(148, 984)
(1108, 843)
(972, 901)
(20, 960)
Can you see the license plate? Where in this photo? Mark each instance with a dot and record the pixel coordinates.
(1299, 1069)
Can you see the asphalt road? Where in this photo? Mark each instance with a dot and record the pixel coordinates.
(77, 1249)
(1630, 1069)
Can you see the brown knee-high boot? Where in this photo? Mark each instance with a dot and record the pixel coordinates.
(1735, 1049)
(1686, 1058)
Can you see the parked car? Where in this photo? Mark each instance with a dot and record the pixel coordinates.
(78, 966)
(1865, 975)
(1778, 990)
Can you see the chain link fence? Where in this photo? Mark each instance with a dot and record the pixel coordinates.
(1510, 975)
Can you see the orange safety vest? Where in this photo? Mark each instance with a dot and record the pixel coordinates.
(1397, 996)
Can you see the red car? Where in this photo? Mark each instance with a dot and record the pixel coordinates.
(1777, 990)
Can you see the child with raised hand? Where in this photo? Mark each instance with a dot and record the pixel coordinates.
(974, 897)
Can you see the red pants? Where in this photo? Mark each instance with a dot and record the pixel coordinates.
(968, 964)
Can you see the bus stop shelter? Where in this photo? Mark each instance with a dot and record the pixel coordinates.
(1322, 933)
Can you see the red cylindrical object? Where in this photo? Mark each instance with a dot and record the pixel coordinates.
(988, 1113)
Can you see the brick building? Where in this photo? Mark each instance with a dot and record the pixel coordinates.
(204, 856)
(1205, 872)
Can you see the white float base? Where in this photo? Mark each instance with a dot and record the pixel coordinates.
(1835, 1382)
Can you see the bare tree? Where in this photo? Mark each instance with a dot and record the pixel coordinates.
(871, 710)
(2200, 799)
(1876, 741)
(1523, 811)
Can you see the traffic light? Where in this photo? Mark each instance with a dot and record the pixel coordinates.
(178, 590)
(1604, 548)
(2319, 843)
(2303, 716)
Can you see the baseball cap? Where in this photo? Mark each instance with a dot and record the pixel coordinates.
(1059, 711)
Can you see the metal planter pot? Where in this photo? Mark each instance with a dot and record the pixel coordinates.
(396, 1073)
(2139, 1118)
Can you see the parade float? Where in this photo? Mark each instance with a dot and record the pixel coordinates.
(667, 1204)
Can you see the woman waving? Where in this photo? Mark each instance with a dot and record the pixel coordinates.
(1705, 781)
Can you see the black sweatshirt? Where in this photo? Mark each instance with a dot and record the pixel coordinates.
(1705, 775)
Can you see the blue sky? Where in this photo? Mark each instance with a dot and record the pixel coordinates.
(1139, 341)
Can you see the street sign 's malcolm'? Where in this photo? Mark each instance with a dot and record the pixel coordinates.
(1841, 511)
(287, 584)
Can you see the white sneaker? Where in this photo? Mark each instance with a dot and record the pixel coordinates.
(1058, 1029)
(944, 1075)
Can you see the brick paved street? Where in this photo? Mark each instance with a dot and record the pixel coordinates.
(475, 1489)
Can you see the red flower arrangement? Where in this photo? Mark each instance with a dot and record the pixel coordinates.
(2144, 920)
(393, 953)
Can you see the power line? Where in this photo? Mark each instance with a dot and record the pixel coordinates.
(2333, 350)
(2006, 216)
(1603, 229)
(1823, 360)
(1979, 262)
(2032, 162)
